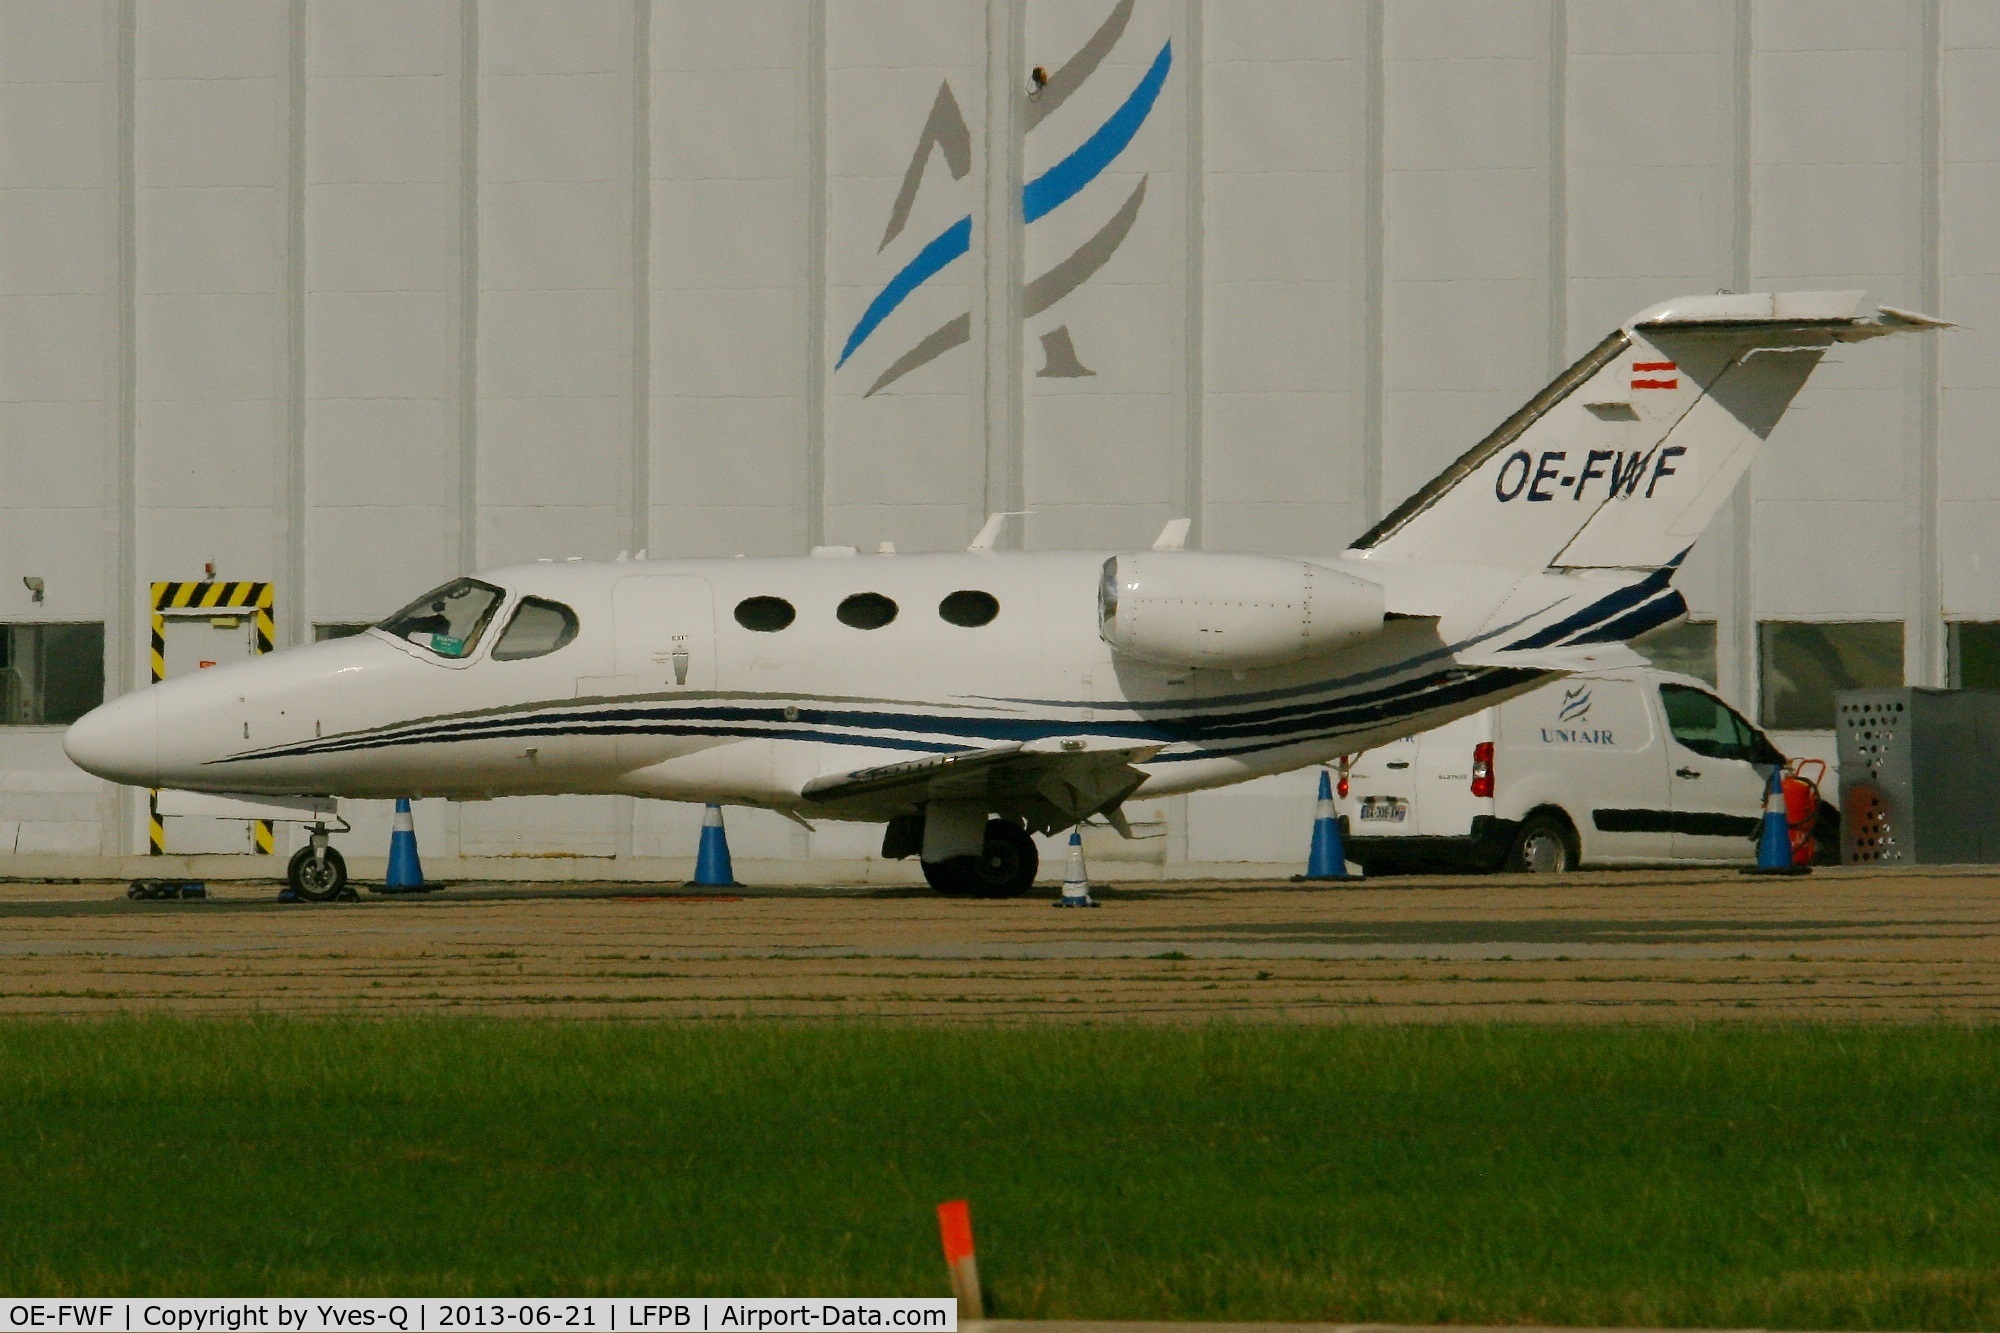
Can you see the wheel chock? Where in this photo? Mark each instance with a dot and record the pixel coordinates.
(166, 890)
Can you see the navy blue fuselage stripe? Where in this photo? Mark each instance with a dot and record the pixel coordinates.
(1650, 615)
(1332, 722)
(820, 724)
(1408, 664)
(1292, 691)
(1601, 609)
(1193, 717)
(551, 728)
(1194, 723)
(1488, 682)
(1605, 607)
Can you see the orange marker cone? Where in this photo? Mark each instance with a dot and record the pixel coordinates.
(955, 1227)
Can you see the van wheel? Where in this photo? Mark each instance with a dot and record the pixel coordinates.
(1544, 846)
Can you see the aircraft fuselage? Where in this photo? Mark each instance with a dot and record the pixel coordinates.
(665, 692)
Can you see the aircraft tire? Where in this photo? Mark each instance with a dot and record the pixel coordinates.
(320, 883)
(948, 877)
(1005, 868)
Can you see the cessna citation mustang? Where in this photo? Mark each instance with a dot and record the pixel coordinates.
(968, 699)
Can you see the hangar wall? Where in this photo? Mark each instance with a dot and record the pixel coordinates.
(353, 295)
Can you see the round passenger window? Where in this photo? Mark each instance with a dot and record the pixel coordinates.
(969, 607)
(539, 627)
(766, 615)
(866, 610)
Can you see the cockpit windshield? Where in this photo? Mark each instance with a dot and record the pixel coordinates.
(449, 620)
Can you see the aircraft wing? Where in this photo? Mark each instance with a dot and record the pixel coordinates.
(1052, 782)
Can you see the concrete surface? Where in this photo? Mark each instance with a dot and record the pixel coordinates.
(1641, 947)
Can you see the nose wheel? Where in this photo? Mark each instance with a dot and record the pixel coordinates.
(318, 872)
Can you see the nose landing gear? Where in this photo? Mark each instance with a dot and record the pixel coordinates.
(318, 872)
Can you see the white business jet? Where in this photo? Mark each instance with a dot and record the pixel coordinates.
(967, 699)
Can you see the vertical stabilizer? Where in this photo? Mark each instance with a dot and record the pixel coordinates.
(1624, 459)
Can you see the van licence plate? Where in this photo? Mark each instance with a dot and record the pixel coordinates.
(1384, 809)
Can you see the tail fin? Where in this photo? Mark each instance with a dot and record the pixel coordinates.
(1624, 459)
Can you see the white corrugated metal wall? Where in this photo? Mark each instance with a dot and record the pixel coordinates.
(351, 295)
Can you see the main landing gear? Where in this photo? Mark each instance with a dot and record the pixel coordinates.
(318, 872)
(1003, 868)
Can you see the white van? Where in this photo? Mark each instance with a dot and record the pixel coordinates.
(1626, 767)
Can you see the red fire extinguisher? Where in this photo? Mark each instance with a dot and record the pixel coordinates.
(1802, 806)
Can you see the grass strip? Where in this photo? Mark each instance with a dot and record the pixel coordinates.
(1773, 1177)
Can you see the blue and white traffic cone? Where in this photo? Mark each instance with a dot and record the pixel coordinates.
(1774, 841)
(711, 863)
(1076, 883)
(1328, 858)
(406, 872)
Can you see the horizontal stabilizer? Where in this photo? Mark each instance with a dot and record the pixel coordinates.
(1595, 657)
(1833, 312)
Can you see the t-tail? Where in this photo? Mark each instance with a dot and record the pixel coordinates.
(1624, 459)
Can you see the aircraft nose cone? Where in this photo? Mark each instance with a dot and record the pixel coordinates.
(118, 741)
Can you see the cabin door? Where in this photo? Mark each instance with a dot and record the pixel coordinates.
(665, 663)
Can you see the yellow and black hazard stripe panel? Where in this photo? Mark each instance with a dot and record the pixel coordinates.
(211, 595)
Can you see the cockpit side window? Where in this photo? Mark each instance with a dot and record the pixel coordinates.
(449, 620)
(539, 627)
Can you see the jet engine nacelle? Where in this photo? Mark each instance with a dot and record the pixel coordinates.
(1232, 612)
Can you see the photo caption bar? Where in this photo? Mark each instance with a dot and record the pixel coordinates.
(621, 1315)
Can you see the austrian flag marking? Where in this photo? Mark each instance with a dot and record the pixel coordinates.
(1655, 375)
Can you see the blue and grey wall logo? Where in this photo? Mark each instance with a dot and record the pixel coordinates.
(1575, 704)
(945, 131)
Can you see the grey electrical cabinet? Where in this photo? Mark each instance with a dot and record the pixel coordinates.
(1919, 776)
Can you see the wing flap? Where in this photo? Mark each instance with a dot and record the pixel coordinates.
(1051, 782)
(906, 775)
